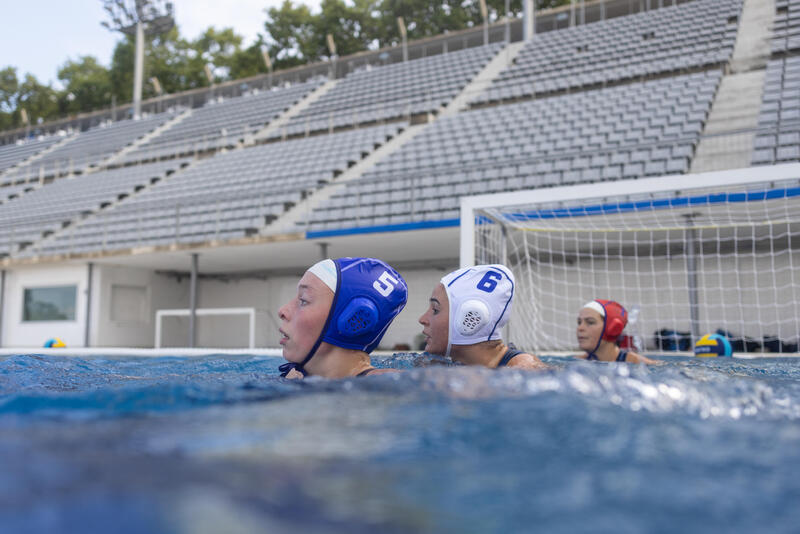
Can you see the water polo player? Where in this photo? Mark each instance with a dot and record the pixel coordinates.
(466, 312)
(339, 315)
(600, 323)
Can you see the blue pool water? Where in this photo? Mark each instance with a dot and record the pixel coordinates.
(219, 444)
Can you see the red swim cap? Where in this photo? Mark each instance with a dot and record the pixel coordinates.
(615, 319)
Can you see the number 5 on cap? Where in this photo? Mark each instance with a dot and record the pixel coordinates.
(385, 284)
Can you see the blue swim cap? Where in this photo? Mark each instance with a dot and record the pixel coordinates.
(368, 295)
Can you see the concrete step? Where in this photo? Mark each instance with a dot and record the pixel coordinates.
(717, 153)
(737, 104)
(145, 138)
(292, 221)
(276, 125)
(752, 49)
(484, 78)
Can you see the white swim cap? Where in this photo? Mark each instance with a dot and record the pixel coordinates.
(325, 270)
(480, 303)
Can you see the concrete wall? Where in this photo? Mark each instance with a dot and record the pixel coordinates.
(127, 302)
(16, 332)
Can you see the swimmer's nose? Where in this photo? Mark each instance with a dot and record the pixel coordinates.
(422, 320)
(282, 312)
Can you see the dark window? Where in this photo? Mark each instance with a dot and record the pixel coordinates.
(50, 303)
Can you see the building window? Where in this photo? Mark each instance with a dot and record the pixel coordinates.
(50, 303)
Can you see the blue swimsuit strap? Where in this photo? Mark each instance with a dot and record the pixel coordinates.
(508, 356)
(365, 372)
(621, 357)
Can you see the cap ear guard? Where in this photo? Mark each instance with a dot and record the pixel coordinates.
(614, 328)
(472, 316)
(359, 317)
(615, 318)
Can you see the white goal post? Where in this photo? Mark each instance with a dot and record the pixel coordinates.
(687, 254)
(250, 313)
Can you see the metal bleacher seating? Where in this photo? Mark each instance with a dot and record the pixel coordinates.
(13, 154)
(786, 26)
(779, 121)
(224, 197)
(223, 123)
(694, 35)
(48, 208)
(630, 131)
(89, 148)
(393, 91)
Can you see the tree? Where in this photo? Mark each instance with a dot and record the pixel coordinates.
(249, 61)
(39, 100)
(88, 83)
(351, 27)
(291, 34)
(9, 87)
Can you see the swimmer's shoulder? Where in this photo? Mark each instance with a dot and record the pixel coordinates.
(375, 372)
(525, 360)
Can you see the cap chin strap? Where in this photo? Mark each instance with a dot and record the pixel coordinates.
(593, 354)
(288, 367)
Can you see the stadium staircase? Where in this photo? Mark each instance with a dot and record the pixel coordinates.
(119, 156)
(296, 218)
(484, 78)
(727, 141)
(279, 123)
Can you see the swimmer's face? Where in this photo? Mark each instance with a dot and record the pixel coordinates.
(590, 328)
(303, 317)
(436, 321)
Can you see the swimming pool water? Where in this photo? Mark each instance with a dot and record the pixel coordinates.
(220, 444)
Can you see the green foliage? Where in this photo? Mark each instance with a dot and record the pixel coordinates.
(291, 33)
(87, 85)
(38, 100)
(294, 35)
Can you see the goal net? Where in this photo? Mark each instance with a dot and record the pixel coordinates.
(687, 255)
(214, 327)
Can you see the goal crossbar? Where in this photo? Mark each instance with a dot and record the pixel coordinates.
(696, 253)
(576, 193)
(185, 312)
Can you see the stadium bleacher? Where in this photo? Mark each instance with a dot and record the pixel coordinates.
(786, 27)
(13, 154)
(51, 207)
(627, 97)
(779, 121)
(223, 123)
(695, 35)
(228, 196)
(393, 91)
(631, 131)
(89, 148)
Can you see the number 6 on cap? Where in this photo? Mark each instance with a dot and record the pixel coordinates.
(489, 281)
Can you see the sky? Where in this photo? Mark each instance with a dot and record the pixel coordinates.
(38, 36)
